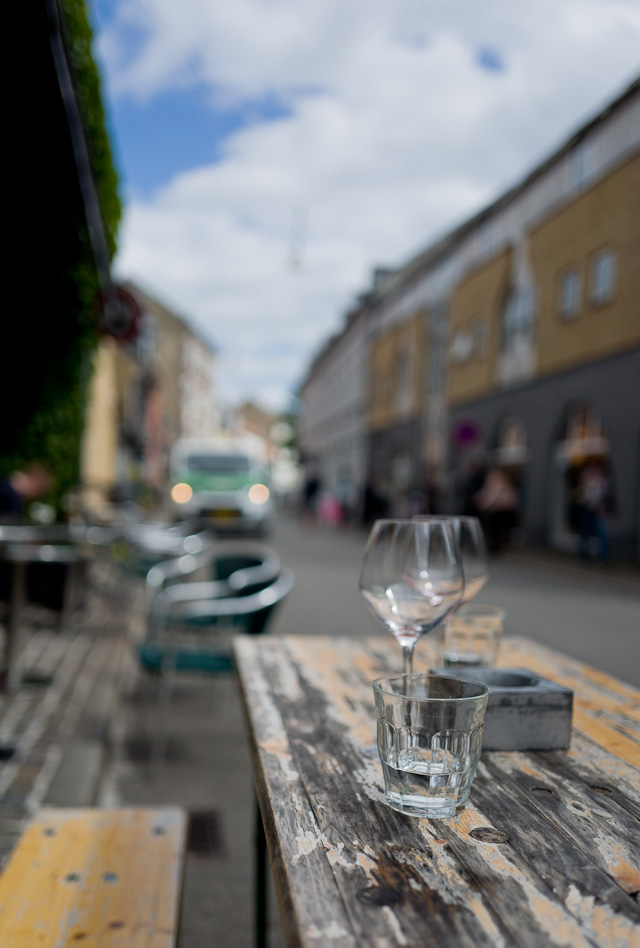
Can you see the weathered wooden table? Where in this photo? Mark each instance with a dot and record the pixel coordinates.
(546, 854)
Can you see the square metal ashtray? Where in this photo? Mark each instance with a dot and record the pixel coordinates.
(525, 711)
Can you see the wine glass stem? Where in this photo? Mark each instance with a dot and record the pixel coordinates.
(407, 658)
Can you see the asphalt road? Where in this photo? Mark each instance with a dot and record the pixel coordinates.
(589, 612)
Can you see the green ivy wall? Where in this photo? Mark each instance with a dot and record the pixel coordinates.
(48, 296)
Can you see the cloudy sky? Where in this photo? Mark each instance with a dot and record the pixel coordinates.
(273, 152)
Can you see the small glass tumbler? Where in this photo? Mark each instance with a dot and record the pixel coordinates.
(429, 741)
(471, 637)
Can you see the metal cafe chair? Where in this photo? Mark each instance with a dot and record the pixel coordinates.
(235, 570)
(190, 640)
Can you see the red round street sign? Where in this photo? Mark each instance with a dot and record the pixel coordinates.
(119, 313)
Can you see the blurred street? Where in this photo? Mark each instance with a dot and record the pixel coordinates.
(589, 612)
(84, 739)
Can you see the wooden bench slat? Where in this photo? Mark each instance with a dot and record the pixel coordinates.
(96, 878)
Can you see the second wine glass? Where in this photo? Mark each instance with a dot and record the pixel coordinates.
(411, 578)
(473, 551)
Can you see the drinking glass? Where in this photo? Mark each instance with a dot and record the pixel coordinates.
(411, 578)
(471, 637)
(429, 740)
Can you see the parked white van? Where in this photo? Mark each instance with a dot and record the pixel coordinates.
(224, 482)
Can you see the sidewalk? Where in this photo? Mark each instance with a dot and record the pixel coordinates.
(83, 740)
(60, 730)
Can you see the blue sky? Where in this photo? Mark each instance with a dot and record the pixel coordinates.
(176, 129)
(335, 136)
(175, 132)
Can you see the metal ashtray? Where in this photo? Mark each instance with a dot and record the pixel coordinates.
(525, 711)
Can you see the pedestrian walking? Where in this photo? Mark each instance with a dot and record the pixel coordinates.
(594, 497)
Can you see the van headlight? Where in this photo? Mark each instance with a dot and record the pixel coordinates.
(259, 494)
(181, 493)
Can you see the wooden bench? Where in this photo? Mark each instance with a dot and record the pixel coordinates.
(95, 877)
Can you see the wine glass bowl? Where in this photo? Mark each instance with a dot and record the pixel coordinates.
(411, 578)
(473, 550)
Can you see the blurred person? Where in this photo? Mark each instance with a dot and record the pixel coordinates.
(346, 496)
(497, 504)
(422, 499)
(414, 504)
(433, 497)
(594, 497)
(329, 510)
(473, 485)
(45, 581)
(310, 497)
(375, 504)
(21, 488)
(17, 491)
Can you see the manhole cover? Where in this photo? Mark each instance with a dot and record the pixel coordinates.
(204, 834)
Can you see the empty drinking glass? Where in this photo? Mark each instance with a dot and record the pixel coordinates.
(429, 741)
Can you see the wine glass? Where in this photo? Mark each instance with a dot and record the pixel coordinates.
(473, 549)
(475, 566)
(411, 578)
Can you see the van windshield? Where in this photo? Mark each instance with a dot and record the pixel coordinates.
(218, 463)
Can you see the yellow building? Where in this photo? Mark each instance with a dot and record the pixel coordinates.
(144, 395)
(513, 342)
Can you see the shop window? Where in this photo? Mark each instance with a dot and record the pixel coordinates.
(582, 440)
(512, 442)
(568, 298)
(602, 277)
(583, 431)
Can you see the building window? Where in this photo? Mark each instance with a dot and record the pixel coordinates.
(517, 316)
(480, 336)
(568, 302)
(602, 277)
(488, 237)
(437, 350)
(461, 348)
(580, 166)
(404, 378)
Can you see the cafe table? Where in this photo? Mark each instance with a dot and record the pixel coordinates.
(19, 556)
(547, 853)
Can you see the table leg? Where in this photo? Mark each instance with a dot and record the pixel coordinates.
(16, 606)
(260, 881)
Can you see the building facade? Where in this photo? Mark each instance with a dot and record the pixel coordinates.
(145, 394)
(515, 342)
(333, 429)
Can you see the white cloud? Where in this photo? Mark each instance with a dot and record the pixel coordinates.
(403, 135)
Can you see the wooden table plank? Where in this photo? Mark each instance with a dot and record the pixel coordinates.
(552, 863)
